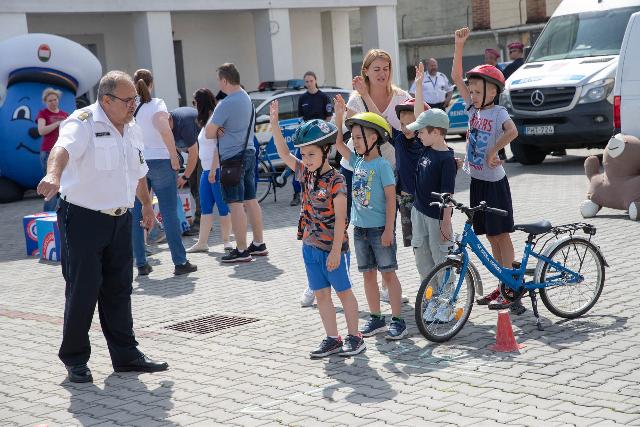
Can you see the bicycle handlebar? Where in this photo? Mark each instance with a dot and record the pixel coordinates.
(447, 201)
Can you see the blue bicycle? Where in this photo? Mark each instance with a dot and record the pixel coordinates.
(569, 274)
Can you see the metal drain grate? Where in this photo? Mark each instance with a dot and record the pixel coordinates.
(208, 324)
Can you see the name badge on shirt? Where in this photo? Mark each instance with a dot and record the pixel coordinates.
(99, 134)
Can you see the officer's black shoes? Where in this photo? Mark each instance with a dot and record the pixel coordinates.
(185, 268)
(79, 373)
(142, 364)
(144, 270)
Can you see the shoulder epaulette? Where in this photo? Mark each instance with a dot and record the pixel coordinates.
(85, 115)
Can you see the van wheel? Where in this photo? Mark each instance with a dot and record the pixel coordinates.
(527, 154)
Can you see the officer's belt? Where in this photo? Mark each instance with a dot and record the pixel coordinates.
(113, 211)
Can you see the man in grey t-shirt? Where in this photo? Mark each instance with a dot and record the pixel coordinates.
(230, 123)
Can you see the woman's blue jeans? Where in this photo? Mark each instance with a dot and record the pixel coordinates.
(163, 181)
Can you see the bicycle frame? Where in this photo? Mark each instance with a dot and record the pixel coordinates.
(512, 277)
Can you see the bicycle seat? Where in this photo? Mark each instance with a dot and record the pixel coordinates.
(539, 227)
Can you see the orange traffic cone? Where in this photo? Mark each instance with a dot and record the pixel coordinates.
(505, 341)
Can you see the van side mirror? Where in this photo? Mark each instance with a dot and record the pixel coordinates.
(262, 119)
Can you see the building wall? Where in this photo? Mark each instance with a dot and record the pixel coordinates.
(210, 39)
(307, 43)
(112, 32)
(507, 13)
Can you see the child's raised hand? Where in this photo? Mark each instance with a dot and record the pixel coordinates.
(419, 74)
(339, 105)
(462, 34)
(273, 113)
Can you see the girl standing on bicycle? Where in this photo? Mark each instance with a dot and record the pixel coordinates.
(490, 129)
(323, 229)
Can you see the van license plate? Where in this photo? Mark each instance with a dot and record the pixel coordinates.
(539, 130)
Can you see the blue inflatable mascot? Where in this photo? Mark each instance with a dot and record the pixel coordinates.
(30, 64)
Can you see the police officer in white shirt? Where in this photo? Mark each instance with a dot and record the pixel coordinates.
(436, 88)
(98, 167)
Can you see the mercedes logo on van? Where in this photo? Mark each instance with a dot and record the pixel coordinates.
(537, 98)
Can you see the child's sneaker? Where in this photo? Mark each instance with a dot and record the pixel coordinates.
(374, 325)
(485, 300)
(307, 298)
(353, 344)
(499, 303)
(328, 346)
(384, 297)
(397, 330)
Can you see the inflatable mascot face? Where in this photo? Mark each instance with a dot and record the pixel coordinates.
(32, 63)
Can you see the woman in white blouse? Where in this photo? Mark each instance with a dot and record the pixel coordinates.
(162, 158)
(375, 92)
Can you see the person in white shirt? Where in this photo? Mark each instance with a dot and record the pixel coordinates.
(210, 190)
(98, 167)
(162, 158)
(436, 89)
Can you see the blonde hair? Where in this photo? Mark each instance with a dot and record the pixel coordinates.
(371, 56)
(51, 91)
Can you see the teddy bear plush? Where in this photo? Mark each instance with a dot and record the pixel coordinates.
(619, 186)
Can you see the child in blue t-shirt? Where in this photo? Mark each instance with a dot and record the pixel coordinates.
(490, 129)
(373, 216)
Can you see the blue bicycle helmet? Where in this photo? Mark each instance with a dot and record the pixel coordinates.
(316, 132)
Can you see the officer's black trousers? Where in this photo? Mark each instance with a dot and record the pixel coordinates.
(97, 265)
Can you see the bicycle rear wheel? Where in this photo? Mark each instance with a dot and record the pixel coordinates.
(264, 181)
(438, 317)
(571, 300)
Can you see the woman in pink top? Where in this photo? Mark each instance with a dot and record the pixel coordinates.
(48, 120)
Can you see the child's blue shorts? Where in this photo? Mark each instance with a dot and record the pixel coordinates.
(315, 262)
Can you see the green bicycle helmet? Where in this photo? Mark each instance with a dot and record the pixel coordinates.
(315, 132)
(372, 121)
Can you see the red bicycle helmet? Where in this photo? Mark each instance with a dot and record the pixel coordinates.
(408, 106)
(488, 73)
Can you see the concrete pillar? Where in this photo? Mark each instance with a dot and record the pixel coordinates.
(153, 41)
(12, 24)
(336, 48)
(273, 44)
(379, 30)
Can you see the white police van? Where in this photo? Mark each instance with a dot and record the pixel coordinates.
(288, 114)
(626, 92)
(562, 96)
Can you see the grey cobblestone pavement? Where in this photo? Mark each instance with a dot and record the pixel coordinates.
(579, 372)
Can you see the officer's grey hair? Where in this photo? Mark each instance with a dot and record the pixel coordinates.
(109, 81)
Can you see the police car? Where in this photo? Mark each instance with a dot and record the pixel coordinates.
(288, 113)
(458, 120)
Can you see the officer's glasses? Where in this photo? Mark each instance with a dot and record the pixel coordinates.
(128, 101)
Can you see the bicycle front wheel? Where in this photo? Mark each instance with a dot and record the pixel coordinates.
(264, 181)
(439, 317)
(571, 300)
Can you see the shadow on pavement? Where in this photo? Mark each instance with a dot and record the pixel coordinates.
(170, 287)
(364, 383)
(570, 331)
(119, 401)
